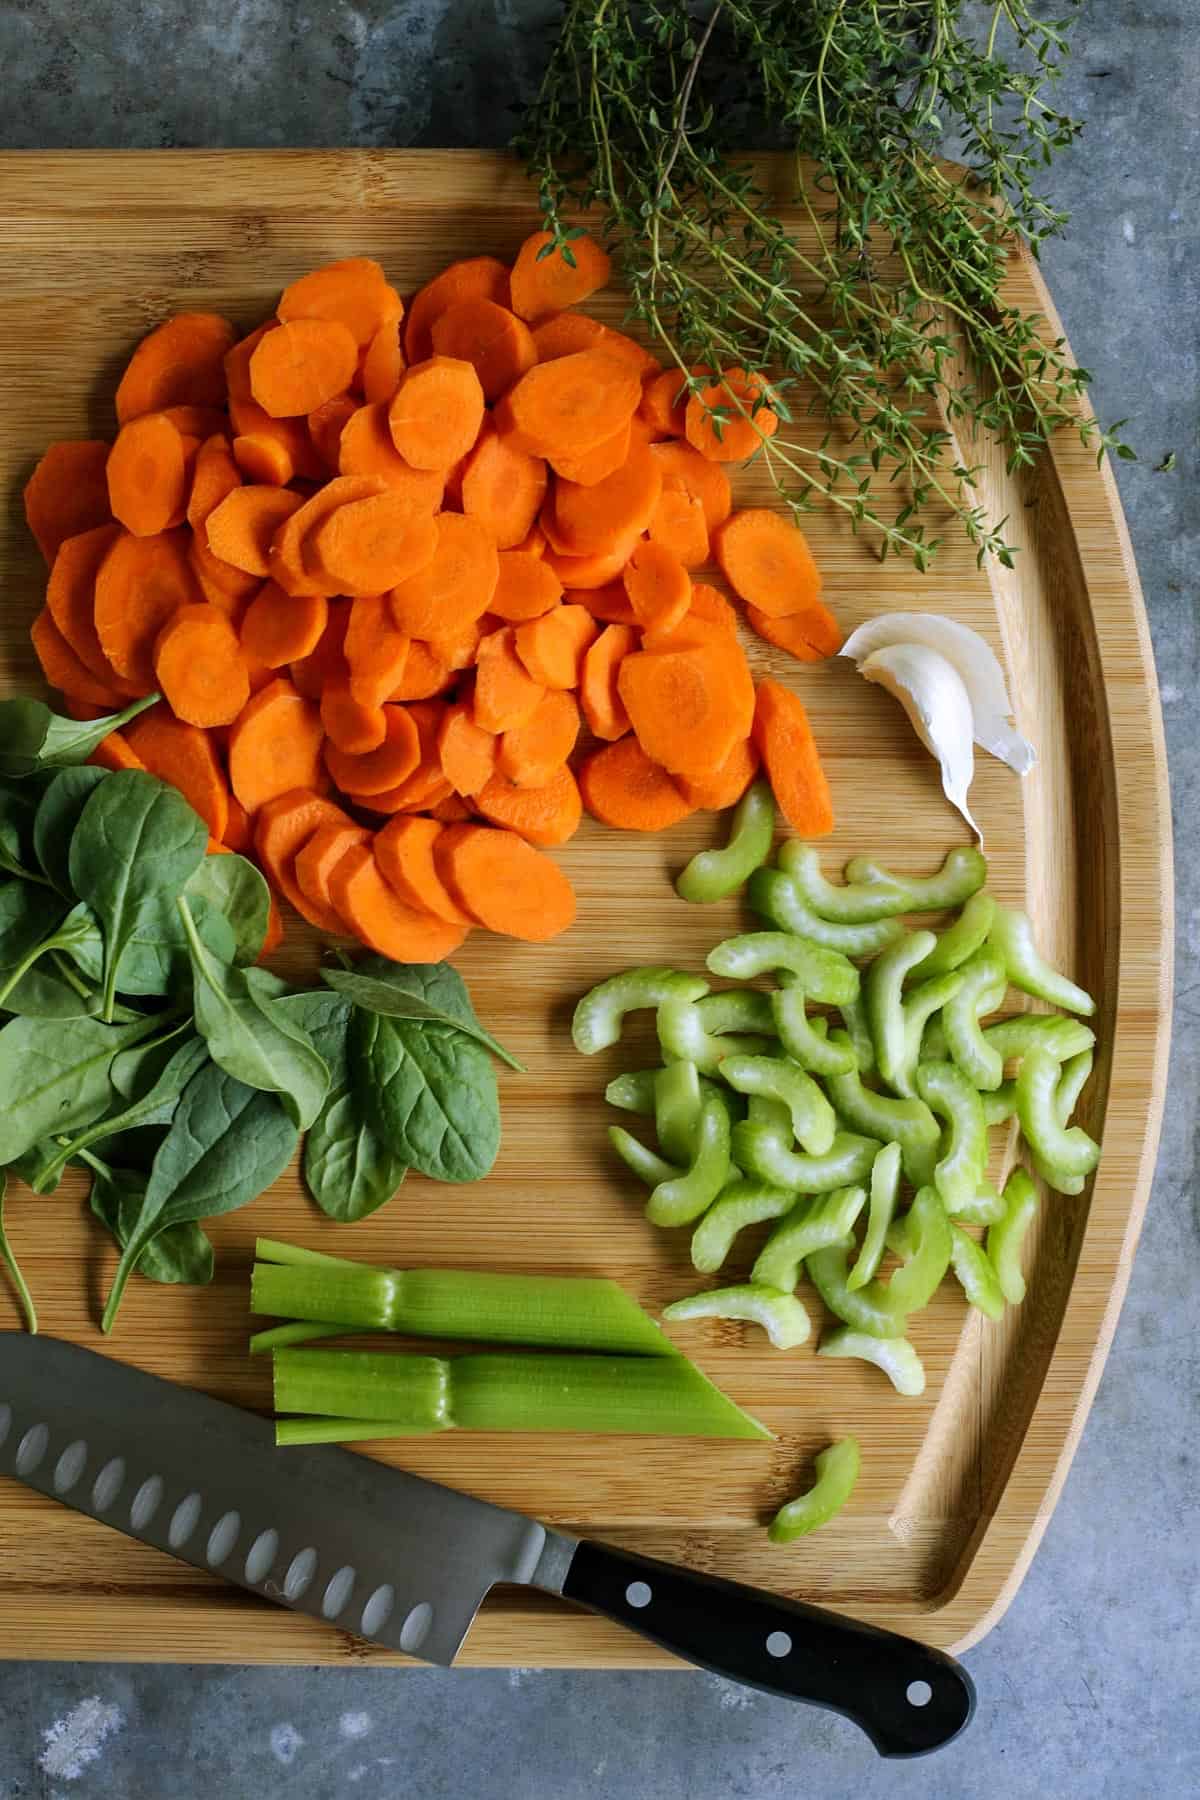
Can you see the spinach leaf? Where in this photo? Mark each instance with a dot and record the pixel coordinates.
(56, 1075)
(155, 963)
(29, 1166)
(155, 1106)
(325, 1016)
(181, 1253)
(349, 1169)
(431, 1094)
(137, 841)
(249, 1037)
(32, 737)
(52, 993)
(10, 1263)
(17, 976)
(227, 1142)
(135, 1071)
(234, 888)
(432, 991)
(18, 811)
(57, 816)
(263, 983)
(28, 915)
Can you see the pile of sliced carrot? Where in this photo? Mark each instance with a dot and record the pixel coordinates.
(385, 565)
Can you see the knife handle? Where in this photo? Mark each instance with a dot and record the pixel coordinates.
(782, 1646)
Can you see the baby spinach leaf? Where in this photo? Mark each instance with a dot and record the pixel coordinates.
(155, 1106)
(18, 810)
(155, 962)
(430, 1092)
(29, 1166)
(349, 1169)
(28, 915)
(32, 737)
(58, 812)
(234, 888)
(250, 1037)
(181, 1253)
(56, 1075)
(10, 1263)
(432, 991)
(325, 1016)
(137, 840)
(227, 1142)
(45, 994)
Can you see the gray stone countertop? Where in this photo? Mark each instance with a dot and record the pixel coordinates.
(1089, 1687)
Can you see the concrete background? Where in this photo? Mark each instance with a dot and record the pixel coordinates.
(1089, 1687)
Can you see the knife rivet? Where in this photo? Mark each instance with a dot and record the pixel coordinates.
(32, 1448)
(301, 1570)
(108, 1484)
(222, 1538)
(69, 1466)
(260, 1558)
(338, 1592)
(918, 1693)
(638, 1593)
(778, 1644)
(378, 1609)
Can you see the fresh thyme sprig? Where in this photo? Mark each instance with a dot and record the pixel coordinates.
(642, 104)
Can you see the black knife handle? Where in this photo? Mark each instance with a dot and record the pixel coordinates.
(782, 1646)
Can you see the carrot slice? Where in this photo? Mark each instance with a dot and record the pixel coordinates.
(704, 481)
(562, 408)
(498, 345)
(179, 364)
(273, 935)
(393, 759)
(503, 488)
(609, 603)
(726, 785)
(599, 695)
(264, 458)
(239, 833)
(426, 786)
(531, 754)
(476, 278)
(319, 856)
(678, 524)
(215, 474)
(591, 571)
(453, 810)
(288, 564)
(810, 636)
(199, 667)
(70, 598)
(281, 830)
(200, 422)
(375, 651)
(466, 751)
(588, 520)
(219, 582)
(767, 562)
(404, 850)
(366, 448)
(67, 494)
(596, 465)
(326, 424)
(686, 712)
(64, 670)
(369, 545)
(275, 745)
(504, 883)
(139, 584)
(562, 333)
(545, 281)
(425, 674)
(727, 420)
(553, 647)
(437, 411)
(298, 367)
(525, 588)
(241, 530)
(506, 695)
(533, 543)
(545, 815)
(664, 403)
(377, 915)
(455, 586)
(709, 604)
(622, 787)
(186, 757)
(353, 292)
(658, 586)
(113, 752)
(327, 662)
(786, 744)
(350, 726)
(147, 481)
(279, 628)
(383, 364)
(249, 420)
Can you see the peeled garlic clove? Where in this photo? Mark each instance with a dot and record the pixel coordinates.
(934, 696)
(973, 659)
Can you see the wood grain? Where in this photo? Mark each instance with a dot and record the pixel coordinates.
(956, 1487)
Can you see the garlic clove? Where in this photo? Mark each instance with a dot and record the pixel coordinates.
(935, 697)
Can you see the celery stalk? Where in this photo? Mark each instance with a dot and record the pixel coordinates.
(367, 1384)
(281, 1337)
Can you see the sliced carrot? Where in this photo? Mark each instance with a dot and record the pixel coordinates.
(350, 726)
(457, 649)
(200, 422)
(506, 695)
(599, 695)
(785, 742)
(383, 364)
(426, 786)
(288, 564)
(281, 830)
(366, 448)
(525, 589)
(504, 883)
(264, 458)
(113, 752)
(704, 481)
(241, 530)
(404, 850)
(726, 785)
(367, 546)
(375, 651)
(553, 647)
(531, 754)
(622, 787)
(249, 420)
(545, 280)
(326, 424)
(67, 494)
(147, 479)
(547, 815)
(436, 413)
(279, 628)
(686, 712)
(390, 762)
(425, 674)
(710, 604)
(455, 586)
(214, 476)
(609, 603)
(589, 520)
(562, 333)
(64, 670)
(593, 466)
(139, 584)
(727, 420)
(377, 915)
(239, 833)
(562, 408)
(70, 598)
(219, 582)
(199, 667)
(275, 745)
(503, 488)
(354, 292)
(327, 662)
(179, 364)
(477, 278)
(301, 365)
(319, 856)
(810, 636)
(453, 810)
(466, 751)
(767, 562)
(186, 757)
(678, 524)
(664, 403)
(533, 543)
(658, 586)
(591, 571)
(498, 345)
(273, 935)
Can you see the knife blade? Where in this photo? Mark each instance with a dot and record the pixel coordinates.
(406, 1562)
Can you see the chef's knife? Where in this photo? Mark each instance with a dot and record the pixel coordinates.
(406, 1562)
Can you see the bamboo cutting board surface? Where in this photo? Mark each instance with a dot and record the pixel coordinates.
(956, 1487)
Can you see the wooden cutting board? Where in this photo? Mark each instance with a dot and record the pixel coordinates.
(956, 1487)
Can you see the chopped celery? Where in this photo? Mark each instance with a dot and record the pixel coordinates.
(645, 1163)
(600, 1015)
(962, 874)
(777, 1078)
(713, 874)
(886, 1016)
(686, 1193)
(923, 1236)
(960, 940)
(1005, 1237)
(1012, 935)
(283, 1337)
(895, 1356)
(908, 1123)
(800, 1037)
(780, 1314)
(634, 1092)
(837, 1472)
(742, 1203)
(760, 1151)
(774, 894)
(1060, 1150)
(826, 975)
(677, 1110)
(885, 1189)
(825, 1219)
(960, 1169)
(975, 1273)
(982, 990)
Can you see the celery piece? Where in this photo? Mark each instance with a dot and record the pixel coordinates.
(760, 1151)
(714, 874)
(1061, 1150)
(858, 1034)
(1062, 1037)
(1000, 1105)
(1005, 1237)
(1012, 935)
(895, 1356)
(908, 1123)
(740, 1204)
(645, 1163)
(685, 1037)
(825, 1219)
(827, 975)
(677, 1110)
(837, 1472)
(633, 1092)
(885, 1190)
(1073, 1080)
(774, 894)
(983, 1208)
(982, 990)
(737, 1009)
(801, 1037)
(923, 1235)
(853, 905)
(962, 874)
(686, 1193)
(780, 1314)
(975, 1273)
(872, 1309)
(882, 986)
(365, 1384)
(949, 1093)
(813, 1120)
(961, 940)
(284, 1337)
(600, 1015)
